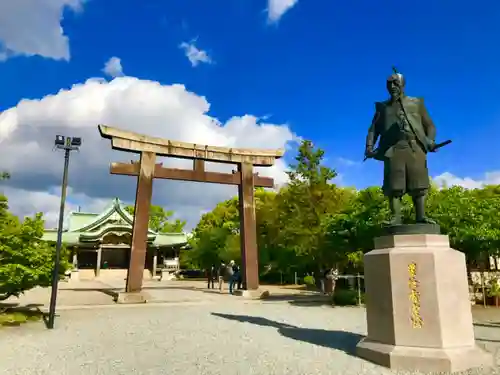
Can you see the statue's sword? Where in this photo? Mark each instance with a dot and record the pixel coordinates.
(439, 145)
(436, 147)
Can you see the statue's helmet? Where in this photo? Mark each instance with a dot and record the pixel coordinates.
(397, 77)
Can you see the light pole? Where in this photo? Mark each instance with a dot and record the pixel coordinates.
(67, 144)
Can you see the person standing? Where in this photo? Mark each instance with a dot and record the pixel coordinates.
(331, 277)
(232, 270)
(322, 277)
(211, 274)
(220, 276)
(240, 278)
(236, 278)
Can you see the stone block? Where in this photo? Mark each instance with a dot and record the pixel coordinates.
(441, 360)
(252, 294)
(131, 297)
(74, 276)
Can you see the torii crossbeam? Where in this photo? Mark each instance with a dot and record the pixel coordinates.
(147, 169)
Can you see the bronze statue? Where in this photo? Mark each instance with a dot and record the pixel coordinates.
(406, 134)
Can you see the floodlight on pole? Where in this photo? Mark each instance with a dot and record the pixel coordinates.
(67, 144)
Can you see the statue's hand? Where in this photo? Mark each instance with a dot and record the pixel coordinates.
(432, 146)
(369, 153)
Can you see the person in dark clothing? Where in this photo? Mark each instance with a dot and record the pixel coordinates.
(232, 271)
(321, 279)
(211, 274)
(240, 279)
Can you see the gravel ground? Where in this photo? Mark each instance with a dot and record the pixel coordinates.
(225, 337)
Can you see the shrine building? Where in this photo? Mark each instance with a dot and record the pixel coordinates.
(99, 244)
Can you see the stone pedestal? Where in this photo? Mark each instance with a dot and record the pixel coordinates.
(167, 275)
(147, 275)
(417, 305)
(252, 294)
(74, 276)
(131, 297)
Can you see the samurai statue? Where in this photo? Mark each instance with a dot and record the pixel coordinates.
(406, 134)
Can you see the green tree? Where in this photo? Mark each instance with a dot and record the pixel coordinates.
(290, 223)
(25, 260)
(225, 215)
(469, 217)
(217, 236)
(209, 247)
(352, 230)
(4, 175)
(160, 220)
(296, 233)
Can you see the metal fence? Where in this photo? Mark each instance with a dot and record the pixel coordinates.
(345, 281)
(359, 281)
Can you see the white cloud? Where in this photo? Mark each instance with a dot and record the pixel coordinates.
(113, 67)
(26, 203)
(448, 179)
(33, 27)
(194, 54)
(277, 8)
(27, 134)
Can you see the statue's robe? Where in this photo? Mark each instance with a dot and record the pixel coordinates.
(404, 142)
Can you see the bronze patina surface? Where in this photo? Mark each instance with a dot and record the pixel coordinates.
(405, 134)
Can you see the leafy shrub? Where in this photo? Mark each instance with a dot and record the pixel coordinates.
(494, 290)
(347, 297)
(26, 260)
(309, 281)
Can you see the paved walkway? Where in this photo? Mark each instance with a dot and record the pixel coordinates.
(98, 293)
(229, 336)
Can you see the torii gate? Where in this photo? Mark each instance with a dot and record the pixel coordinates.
(147, 169)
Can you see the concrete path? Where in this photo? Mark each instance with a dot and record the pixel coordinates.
(101, 292)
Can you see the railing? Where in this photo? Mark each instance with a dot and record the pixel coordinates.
(358, 284)
(358, 278)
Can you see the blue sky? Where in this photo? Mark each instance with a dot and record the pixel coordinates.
(319, 68)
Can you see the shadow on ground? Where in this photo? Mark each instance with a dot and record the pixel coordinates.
(338, 340)
(297, 297)
(488, 324)
(30, 312)
(113, 292)
(13, 306)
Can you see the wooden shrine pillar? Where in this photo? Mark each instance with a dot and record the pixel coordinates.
(141, 222)
(248, 228)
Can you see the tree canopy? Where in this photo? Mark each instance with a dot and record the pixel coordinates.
(25, 260)
(312, 222)
(161, 221)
